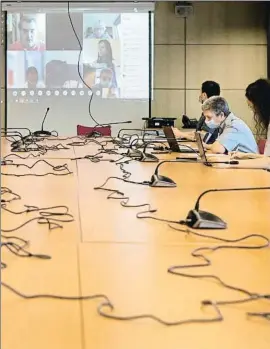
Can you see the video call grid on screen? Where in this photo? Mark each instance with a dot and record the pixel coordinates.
(43, 61)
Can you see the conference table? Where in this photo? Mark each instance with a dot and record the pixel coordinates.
(109, 249)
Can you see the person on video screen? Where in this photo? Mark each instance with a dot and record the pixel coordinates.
(28, 36)
(105, 58)
(61, 74)
(56, 73)
(106, 85)
(99, 32)
(89, 77)
(32, 80)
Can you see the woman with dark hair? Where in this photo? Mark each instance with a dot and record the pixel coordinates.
(258, 99)
(105, 58)
(105, 53)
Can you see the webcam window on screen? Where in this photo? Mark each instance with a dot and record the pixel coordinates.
(42, 61)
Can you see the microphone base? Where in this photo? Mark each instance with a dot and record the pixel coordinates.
(31, 140)
(18, 150)
(134, 153)
(204, 220)
(162, 182)
(42, 133)
(94, 134)
(149, 158)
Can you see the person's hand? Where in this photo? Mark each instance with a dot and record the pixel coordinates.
(243, 156)
(180, 134)
(218, 158)
(177, 133)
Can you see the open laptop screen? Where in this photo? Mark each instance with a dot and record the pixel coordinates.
(168, 132)
(198, 138)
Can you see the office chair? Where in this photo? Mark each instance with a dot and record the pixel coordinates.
(86, 130)
(261, 145)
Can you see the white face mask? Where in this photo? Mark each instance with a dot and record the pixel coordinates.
(211, 124)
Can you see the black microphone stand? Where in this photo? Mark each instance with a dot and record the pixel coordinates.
(42, 132)
(206, 220)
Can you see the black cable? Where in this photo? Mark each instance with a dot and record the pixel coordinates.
(125, 202)
(57, 168)
(126, 174)
(120, 179)
(21, 157)
(78, 66)
(52, 296)
(3, 265)
(42, 210)
(56, 147)
(6, 162)
(5, 190)
(92, 158)
(192, 232)
(65, 139)
(139, 215)
(25, 242)
(262, 315)
(218, 316)
(86, 141)
(20, 251)
(197, 253)
(43, 219)
(35, 175)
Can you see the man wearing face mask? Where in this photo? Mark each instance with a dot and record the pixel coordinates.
(208, 89)
(233, 133)
(105, 83)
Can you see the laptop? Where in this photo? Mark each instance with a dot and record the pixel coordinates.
(198, 138)
(202, 152)
(173, 143)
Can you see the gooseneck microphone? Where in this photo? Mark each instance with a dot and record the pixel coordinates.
(129, 129)
(119, 122)
(146, 157)
(162, 181)
(43, 133)
(206, 220)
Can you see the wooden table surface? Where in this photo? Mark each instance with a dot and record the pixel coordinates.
(108, 250)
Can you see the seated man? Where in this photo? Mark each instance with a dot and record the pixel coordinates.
(233, 133)
(208, 89)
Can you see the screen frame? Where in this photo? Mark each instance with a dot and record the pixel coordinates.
(14, 7)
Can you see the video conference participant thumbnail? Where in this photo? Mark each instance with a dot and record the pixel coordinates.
(60, 34)
(28, 32)
(106, 87)
(102, 54)
(101, 26)
(61, 69)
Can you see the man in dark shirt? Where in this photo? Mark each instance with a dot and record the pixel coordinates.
(208, 89)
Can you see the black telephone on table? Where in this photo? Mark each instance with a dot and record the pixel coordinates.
(189, 123)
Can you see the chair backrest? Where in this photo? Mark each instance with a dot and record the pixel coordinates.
(85, 130)
(261, 145)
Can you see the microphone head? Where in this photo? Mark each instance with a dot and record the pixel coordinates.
(48, 109)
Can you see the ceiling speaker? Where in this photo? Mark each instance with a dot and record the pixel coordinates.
(183, 9)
